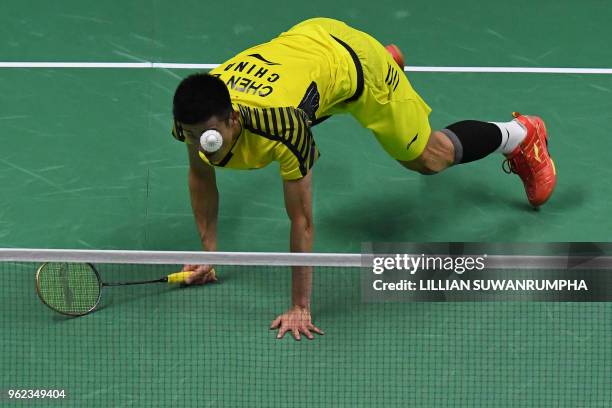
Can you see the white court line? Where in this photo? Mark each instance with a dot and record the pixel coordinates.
(513, 70)
(163, 65)
(116, 65)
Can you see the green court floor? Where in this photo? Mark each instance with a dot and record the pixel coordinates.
(88, 152)
(87, 161)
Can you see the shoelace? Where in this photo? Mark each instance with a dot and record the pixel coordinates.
(512, 165)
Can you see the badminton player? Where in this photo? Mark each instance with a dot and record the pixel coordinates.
(261, 106)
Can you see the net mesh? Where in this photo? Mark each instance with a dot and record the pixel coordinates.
(160, 345)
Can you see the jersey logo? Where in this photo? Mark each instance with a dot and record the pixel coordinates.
(262, 59)
(393, 77)
(412, 141)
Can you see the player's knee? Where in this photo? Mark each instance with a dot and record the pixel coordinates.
(437, 156)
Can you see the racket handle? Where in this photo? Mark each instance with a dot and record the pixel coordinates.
(178, 277)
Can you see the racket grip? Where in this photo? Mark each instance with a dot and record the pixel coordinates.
(178, 277)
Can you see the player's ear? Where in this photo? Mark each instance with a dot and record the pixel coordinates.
(234, 118)
(234, 115)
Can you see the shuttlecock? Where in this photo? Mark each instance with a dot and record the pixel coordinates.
(211, 141)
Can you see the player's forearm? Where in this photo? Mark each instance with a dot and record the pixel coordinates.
(205, 205)
(302, 234)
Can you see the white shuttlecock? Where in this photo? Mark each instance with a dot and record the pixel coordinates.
(211, 141)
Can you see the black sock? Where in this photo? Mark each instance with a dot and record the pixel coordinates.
(473, 140)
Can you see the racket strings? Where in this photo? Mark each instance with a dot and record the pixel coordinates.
(69, 288)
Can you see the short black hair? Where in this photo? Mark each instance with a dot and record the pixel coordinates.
(200, 97)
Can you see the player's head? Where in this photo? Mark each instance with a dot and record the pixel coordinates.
(200, 97)
(202, 102)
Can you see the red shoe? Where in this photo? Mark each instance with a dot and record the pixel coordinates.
(396, 53)
(531, 161)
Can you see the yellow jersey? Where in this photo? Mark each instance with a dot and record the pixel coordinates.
(280, 89)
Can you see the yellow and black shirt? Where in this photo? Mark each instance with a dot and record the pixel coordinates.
(271, 134)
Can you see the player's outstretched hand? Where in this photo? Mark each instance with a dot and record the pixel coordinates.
(201, 274)
(296, 320)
